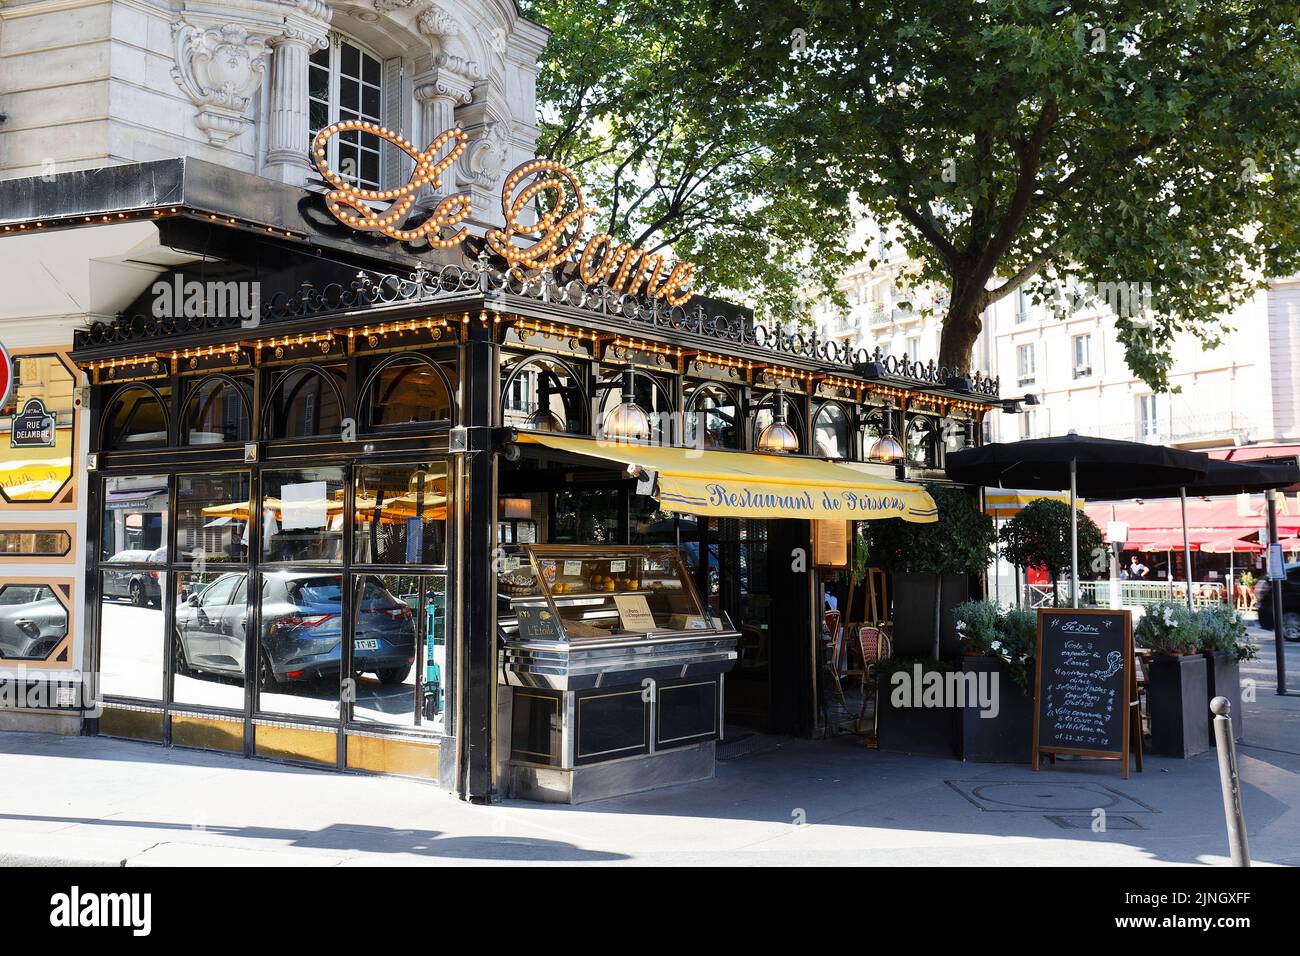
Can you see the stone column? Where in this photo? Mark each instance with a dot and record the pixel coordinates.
(288, 128)
(438, 92)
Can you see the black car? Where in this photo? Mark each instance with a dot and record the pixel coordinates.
(143, 588)
(1290, 603)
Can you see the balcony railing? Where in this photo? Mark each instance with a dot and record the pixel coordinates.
(1131, 593)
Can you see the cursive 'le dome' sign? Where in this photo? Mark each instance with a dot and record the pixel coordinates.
(556, 236)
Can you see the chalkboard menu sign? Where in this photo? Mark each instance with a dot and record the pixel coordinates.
(1084, 683)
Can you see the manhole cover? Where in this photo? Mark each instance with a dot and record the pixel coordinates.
(1046, 796)
(1080, 821)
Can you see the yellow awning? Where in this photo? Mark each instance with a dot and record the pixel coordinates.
(1002, 502)
(752, 485)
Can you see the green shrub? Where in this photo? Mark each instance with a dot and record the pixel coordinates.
(1169, 628)
(1222, 629)
(977, 625)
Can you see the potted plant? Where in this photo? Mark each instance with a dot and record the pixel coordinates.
(1176, 679)
(998, 649)
(1225, 644)
(1039, 537)
(931, 566)
(912, 712)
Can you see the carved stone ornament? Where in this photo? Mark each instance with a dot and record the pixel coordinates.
(435, 22)
(485, 158)
(219, 68)
(388, 6)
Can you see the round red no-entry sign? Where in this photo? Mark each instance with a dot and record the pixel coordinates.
(6, 375)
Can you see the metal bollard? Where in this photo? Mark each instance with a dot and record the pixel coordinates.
(1230, 782)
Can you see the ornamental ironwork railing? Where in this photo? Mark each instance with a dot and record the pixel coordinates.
(373, 291)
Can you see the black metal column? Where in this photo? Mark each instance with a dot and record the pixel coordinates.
(1275, 593)
(478, 511)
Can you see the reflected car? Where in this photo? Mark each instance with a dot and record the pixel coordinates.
(32, 629)
(1290, 603)
(142, 588)
(302, 618)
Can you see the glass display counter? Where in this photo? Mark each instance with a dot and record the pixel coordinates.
(611, 658)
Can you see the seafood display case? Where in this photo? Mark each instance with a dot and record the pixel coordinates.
(610, 657)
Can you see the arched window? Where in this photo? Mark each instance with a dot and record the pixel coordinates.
(407, 391)
(346, 82)
(712, 417)
(922, 444)
(542, 395)
(831, 431)
(135, 417)
(304, 403)
(649, 393)
(216, 413)
(764, 415)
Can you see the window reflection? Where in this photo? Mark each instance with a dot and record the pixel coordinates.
(211, 614)
(831, 432)
(764, 415)
(650, 394)
(216, 413)
(134, 417)
(33, 622)
(304, 404)
(212, 518)
(406, 391)
(712, 418)
(131, 637)
(36, 454)
(399, 663)
(401, 514)
(302, 632)
(302, 515)
(36, 544)
(134, 520)
(541, 395)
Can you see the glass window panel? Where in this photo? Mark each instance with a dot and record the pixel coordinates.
(33, 622)
(302, 515)
(399, 660)
(36, 452)
(130, 635)
(831, 432)
(370, 168)
(401, 514)
(304, 404)
(541, 395)
(649, 394)
(36, 544)
(349, 59)
(349, 94)
(212, 519)
(135, 417)
(408, 391)
(134, 520)
(920, 441)
(320, 116)
(302, 631)
(713, 418)
(371, 69)
(587, 517)
(216, 413)
(321, 58)
(211, 615)
(370, 104)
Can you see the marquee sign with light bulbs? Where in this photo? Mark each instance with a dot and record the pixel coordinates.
(554, 238)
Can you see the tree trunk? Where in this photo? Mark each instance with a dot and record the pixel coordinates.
(938, 605)
(961, 327)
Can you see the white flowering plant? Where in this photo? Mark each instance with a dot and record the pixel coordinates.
(1169, 628)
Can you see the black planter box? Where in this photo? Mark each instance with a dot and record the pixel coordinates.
(1008, 737)
(930, 731)
(1223, 679)
(914, 614)
(1178, 700)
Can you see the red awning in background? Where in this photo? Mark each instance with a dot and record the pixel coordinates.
(1207, 519)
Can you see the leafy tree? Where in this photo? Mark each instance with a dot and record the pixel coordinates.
(1007, 144)
(960, 542)
(633, 97)
(1038, 536)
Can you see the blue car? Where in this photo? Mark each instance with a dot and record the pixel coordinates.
(302, 618)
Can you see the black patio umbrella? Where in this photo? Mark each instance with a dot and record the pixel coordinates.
(1222, 478)
(1096, 467)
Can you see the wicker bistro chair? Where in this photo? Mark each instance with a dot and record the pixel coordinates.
(876, 647)
(833, 656)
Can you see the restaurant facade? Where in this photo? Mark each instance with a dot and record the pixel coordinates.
(363, 477)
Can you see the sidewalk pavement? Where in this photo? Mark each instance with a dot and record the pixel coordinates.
(95, 801)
